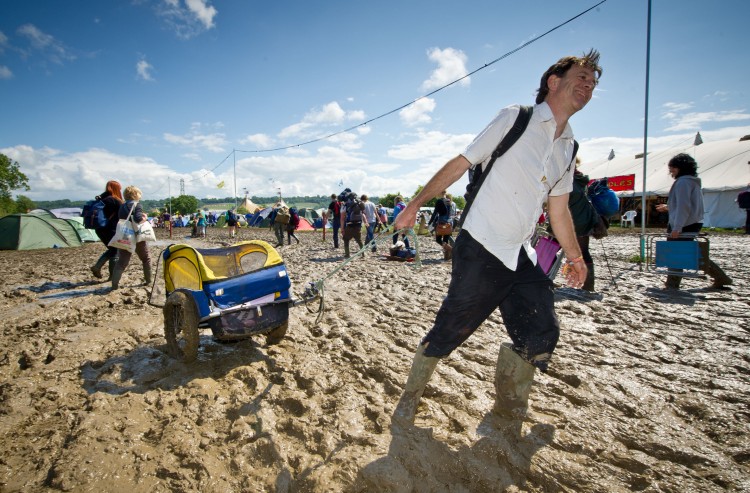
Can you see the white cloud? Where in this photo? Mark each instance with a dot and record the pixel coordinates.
(5, 72)
(202, 11)
(675, 107)
(434, 147)
(196, 139)
(54, 174)
(44, 45)
(3, 42)
(679, 119)
(189, 19)
(329, 115)
(418, 112)
(696, 120)
(451, 66)
(144, 69)
(260, 141)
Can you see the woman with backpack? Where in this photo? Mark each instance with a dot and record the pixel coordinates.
(112, 198)
(585, 219)
(292, 226)
(231, 218)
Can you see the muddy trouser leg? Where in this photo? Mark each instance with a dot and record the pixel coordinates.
(479, 284)
(96, 269)
(347, 238)
(336, 228)
(114, 257)
(122, 264)
(716, 273)
(588, 284)
(141, 249)
(358, 237)
(583, 243)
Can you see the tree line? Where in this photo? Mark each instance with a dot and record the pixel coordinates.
(12, 178)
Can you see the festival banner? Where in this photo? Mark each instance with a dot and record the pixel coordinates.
(621, 183)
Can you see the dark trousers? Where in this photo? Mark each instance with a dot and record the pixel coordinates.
(479, 284)
(336, 227)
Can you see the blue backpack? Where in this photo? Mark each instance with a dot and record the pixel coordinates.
(93, 214)
(605, 200)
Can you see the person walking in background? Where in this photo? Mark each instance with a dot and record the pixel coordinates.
(685, 208)
(372, 219)
(276, 224)
(352, 217)
(382, 219)
(443, 223)
(398, 206)
(585, 218)
(201, 222)
(231, 217)
(112, 198)
(743, 201)
(334, 210)
(293, 225)
(132, 197)
(495, 265)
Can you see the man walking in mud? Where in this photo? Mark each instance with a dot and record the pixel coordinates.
(494, 264)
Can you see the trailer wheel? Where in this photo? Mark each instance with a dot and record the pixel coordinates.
(277, 334)
(181, 326)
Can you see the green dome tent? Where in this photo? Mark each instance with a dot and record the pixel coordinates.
(40, 229)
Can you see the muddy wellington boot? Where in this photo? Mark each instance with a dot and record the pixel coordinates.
(116, 275)
(673, 282)
(588, 285)
(513, 379)
(147, 273)
(96, 269)
(112, 265)
(721, 279)
(447, 252)
(346, 250)
(421, 370)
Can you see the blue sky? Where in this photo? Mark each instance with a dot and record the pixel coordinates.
(152, 92)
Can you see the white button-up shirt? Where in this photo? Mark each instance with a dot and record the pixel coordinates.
(509, 202)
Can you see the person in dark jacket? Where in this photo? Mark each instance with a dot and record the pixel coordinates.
(585, 218)
(441, 214)
(292, 226)
(112, 198)
(132, 197)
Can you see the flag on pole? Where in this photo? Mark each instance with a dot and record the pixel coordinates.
(698, 140)
(611, 155)
(220, 185)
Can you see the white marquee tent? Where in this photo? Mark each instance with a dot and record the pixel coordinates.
(723, 167)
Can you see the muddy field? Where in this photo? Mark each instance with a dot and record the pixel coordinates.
(649, 390)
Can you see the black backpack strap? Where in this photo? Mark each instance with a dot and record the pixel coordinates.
(477, 177)
(570, 164)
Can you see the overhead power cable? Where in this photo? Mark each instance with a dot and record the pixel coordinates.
(506, 55)
(406, 105)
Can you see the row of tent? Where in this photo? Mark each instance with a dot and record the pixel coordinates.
(63, 228)
(41, 228)
(310, 219)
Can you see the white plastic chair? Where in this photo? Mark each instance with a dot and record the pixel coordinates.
(628, 217)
